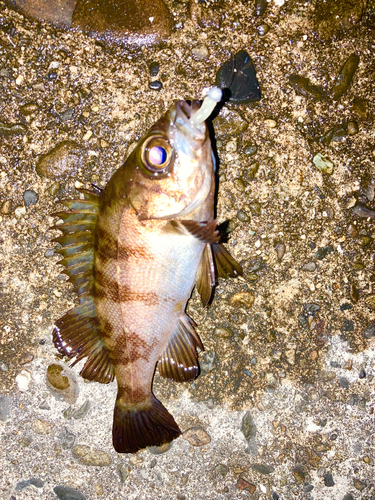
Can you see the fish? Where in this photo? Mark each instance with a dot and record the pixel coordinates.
(134, 252)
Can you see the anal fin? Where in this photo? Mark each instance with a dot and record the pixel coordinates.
(180, 359)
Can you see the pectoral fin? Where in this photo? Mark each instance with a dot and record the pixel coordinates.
(180, 360)
(203, 231)
(226, 266)
(206, 275)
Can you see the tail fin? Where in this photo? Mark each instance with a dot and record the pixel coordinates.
(136, 426)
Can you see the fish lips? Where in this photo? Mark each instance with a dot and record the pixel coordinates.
(180, 116)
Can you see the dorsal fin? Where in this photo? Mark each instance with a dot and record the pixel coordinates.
(77, 333)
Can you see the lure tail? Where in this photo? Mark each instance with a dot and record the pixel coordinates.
(136, 426)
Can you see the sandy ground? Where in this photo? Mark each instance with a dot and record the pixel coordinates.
(286, 394)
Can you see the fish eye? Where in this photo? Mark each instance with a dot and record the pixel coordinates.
(156, 155)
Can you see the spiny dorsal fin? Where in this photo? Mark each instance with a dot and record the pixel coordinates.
(180, 360)
(77, 333)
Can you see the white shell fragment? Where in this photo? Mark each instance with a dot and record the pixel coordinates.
(323, 164)
(23, 380)
(209, 102)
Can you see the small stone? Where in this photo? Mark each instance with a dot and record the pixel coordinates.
(207, 361)
(238, 75)
(27, 357)
(359, 485)
(299, 474)
(242, 484)
(154, 69)
(333, 16)
(260, 7)
(40, 426)
(6, 207)
(345, 307)
(328, 480)
(196, 436)
(313, 356)
(5, 408)
(82, 411)
(255, 208)
(29, 108)
(200, 52)
(344, 382)
(323, 164)
(280, 251)
(155, 85)
(242, 216)
(159, 450)
(250, 149)
(90, 456)
(44, 406)
(67, 439)
(362, 374)
(30, 197)
(222, 469)
(345, 76)
(67, 493)
(239, 184)
(362, 211)
(311, 308)
(270, 123)
(263, 29)
(348, 365)
(55, 377)
(248, 427)
(348, 496)
(263, 468)
(352, 128)
(7, 130)
(309, 267)
(370, 301)
(242, 299)
(123, 471)
(62, 161)
(222, 331)
(303, 86)
(62, 383)
(23, 380)
(323, 252)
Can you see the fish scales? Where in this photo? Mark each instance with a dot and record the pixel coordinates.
(154, 238)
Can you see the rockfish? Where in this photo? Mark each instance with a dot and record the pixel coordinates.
(134, 253)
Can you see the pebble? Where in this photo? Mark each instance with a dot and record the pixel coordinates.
(200, 52)
(248, 427)
(23, 380)
(44, 406)
(62, 161)
(222, 469)
(155, 85)
(242, 216)
(345, 76)
(348, 496)
(323, 252)
(40, 426)
(67, 439)
(230, 123)
(26, 357)
(323, 164)
(263, 468)
(38, 483)
(207, 361)
(362, 211)
(222, 331)
(352, 128)
(263, 29)
(123, 471)
(270, 123)
(196, 436)
(280, 251)
(5, 408)
(359, 485)
(239, 77)
(309, 267)
(299, 474)
(302, 86)
(344, 382)
(242, 299)
(242, 484)
(333, 16)
(61, 383)
(7, 129)
(328, 480)
(362, 374)
(90, 456)
(255, 208)
(68, 493)
(348, 365)
(260, 7)
(30, 197)
(159, 450)
(154, 69)
(370, 301)
(82, 411)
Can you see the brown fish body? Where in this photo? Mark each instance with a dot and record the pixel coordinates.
(152, 238)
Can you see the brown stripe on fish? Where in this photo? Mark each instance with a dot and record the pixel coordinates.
(125, 352)
(138, 252)
(110, 292)
(104, 281)
(148, 298)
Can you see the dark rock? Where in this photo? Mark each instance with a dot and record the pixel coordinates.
(123, 471)
(348, 496)
(328, 480)
(57, 12)
(248, 427)
(34, 481)
(82, 411)
(299, 474)
(30, 197)
(345, 307)
(155, 85)
(260, 7)
(5, 408)
(359, 485)
(362, 211)
(344, 382)
(67, 493)
(263, 469)
(275, 496)
(239, 77)
(263, 29)
(362, 373)
(333, 16)
(309, 267)
(345, 76)
(124, 22)
(222, 469)
(323, 252)
(154, 69)
(303, 86)
(242, 216)
(62, 161)
(348, 325)
(307, 488)
(311, 308)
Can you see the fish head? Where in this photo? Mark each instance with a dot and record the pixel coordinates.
(174, 170)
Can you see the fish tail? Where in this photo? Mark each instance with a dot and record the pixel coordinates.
(136, 426)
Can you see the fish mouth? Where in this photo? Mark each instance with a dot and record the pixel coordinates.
(184, 110)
